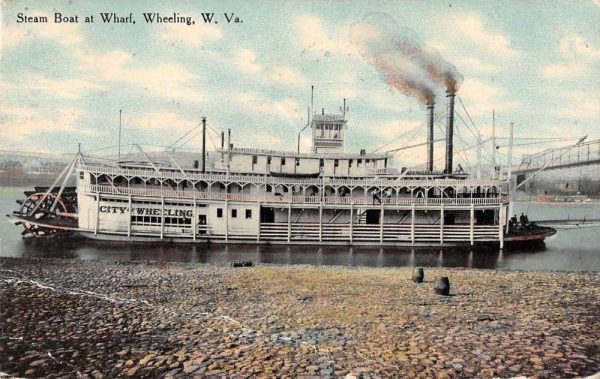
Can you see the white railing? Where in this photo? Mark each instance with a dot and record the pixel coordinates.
(266, 198)
(375, 233)
(256, 179)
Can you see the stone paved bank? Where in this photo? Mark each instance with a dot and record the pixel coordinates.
(103, 319)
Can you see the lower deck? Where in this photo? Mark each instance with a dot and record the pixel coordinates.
(135, 218)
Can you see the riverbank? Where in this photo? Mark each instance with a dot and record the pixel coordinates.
(107, 319)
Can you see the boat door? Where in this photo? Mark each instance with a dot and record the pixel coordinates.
(373, 216)
(267, 215)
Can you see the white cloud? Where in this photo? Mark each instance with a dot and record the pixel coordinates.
(477, 64)
(65, 33)
(168, 80)
(68, 34)
(578, 104)
(561, 71)
(346, 83)
(11, 36)
(22, 122)
(386, 98)
(481, 98)
(578, 57)
(287, 76)
(473, 28)
(597, 2)
(163, 120)
(245, 61)
(67, 88)
(267, 140)
(285, 109)
(313, 35)
(578, 47)
(191, 35)
(391, 129)
(343, 92)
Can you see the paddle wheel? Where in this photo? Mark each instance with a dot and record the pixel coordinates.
(45, 209)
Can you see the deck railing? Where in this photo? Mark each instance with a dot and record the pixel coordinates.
(256, 179)
(376, 232)
(267, 198)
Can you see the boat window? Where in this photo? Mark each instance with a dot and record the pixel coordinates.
(268, 159)
(321, 162)
(336, 163)
(219, 212)
(297, 161)
(283, 161)
(248, 213)
(80, 174)
(254, 159)
(350, 162)
(233, 213)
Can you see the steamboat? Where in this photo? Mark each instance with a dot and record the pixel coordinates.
(249, 195)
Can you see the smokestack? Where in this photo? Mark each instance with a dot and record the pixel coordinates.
(449, 131)
(430, 136)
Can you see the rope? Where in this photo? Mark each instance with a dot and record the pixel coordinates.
(182, 137)
(468, 115)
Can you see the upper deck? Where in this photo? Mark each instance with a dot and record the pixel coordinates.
(400, 181)
(399, 190)
(259, 161)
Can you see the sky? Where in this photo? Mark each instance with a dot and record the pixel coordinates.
(533, 63)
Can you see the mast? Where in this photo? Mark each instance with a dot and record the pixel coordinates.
(119, 155)
(222, 145)
(478, 154)
(510, 150)
(509, 172)
(203, 145)
(493, 144)
(312, 100)
(228, 151)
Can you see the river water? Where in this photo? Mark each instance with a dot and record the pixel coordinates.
(568, 250)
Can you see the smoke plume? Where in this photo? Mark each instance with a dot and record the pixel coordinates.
(401, 58)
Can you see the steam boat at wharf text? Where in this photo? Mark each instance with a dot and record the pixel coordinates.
(244, 195)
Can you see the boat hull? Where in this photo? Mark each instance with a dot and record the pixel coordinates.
(511, 242)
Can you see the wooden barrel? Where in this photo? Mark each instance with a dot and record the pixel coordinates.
(442, 286)
(418, 275)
